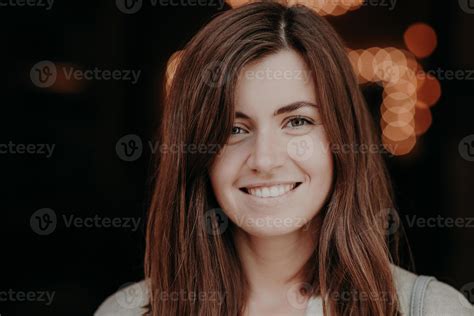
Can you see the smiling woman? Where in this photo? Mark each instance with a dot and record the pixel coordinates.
(259, 175)
(275, 223)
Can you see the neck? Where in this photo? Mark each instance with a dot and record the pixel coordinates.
(273, 264)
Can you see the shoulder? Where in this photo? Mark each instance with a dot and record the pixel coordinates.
(129, 300)
(439, 299)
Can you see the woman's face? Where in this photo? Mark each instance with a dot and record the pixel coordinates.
(275, 172)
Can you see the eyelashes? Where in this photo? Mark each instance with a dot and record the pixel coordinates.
(299, 119)
(236, 128)
(294, 123)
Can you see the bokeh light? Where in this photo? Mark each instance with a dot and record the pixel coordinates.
(322, 7)
(408, 91)
(171, 67)
(407, 96)
(429, 91)
(421, 39)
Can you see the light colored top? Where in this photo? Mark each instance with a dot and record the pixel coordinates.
(439, 299)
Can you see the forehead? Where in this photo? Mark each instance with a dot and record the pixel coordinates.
(277, 79)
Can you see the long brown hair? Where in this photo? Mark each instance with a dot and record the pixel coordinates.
(350, 267)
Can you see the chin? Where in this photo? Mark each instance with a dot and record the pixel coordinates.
(272, 226)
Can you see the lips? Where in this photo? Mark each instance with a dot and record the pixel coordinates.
(270, 191)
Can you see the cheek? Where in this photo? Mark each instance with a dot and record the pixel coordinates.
(322, 160)
(224, 171)
(319, 166)
(313, 152)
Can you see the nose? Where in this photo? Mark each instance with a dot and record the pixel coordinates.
(268, 152)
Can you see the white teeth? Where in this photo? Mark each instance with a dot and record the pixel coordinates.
(273, 191)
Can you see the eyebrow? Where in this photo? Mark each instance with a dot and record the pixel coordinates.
(284, 109)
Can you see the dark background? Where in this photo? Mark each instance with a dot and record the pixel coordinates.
(84, 120)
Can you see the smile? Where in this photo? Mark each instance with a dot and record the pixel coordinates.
(270, 191)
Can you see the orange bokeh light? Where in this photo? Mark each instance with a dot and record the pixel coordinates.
(398, 130)
(171, 66)
(399, 148)
(423, 118)
(429, 91)
(421, 39)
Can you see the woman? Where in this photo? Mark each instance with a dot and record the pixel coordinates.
(280, 220)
